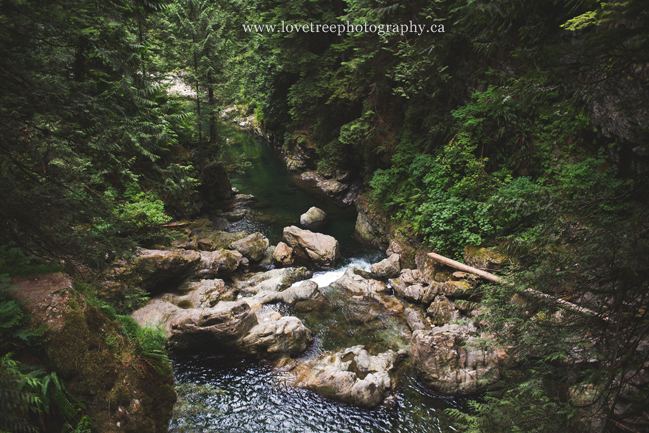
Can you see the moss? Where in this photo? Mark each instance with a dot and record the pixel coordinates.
(103, 370)
(185, 304)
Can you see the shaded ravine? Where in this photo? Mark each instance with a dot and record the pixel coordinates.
(247, 396)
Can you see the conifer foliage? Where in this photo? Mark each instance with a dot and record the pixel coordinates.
(82, 127)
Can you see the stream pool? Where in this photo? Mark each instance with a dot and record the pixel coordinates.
(220, 394)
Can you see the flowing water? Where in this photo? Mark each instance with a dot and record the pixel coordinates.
(220, 394)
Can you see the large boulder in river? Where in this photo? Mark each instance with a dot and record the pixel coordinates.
(199, 294)
(388, 268)
(314, 218)
(451, 361)
(318, 248)
(270, 281)
(276, 335)
(148, 270)
(350, 375)
(219, 263)
(369, 290)
(252, 247)
(213, 328)
(231, 327)
(283, 254)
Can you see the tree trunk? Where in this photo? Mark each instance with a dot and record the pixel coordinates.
(534, 293)
(212, 104)
(198, 100)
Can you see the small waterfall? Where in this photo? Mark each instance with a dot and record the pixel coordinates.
(324, 278)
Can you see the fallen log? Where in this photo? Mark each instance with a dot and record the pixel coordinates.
(534, 293)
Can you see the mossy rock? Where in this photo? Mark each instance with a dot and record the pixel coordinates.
(96, 361)
(487, 259)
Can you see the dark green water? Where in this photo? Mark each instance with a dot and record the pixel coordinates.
(268, 181)
(226, 395)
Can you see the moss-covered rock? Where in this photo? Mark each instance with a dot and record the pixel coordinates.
(123, 390)
(252, 247)
(441, 311)
(371, 227)
(487, 259)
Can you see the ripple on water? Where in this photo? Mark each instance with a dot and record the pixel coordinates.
(254, 398)
(234, 396)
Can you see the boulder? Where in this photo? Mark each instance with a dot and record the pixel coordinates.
(487, 259)
(218, 263)
(201, 294)
(153, 267)
(318, 248)
(275, 335)
(215, 328)
(414, 293)
(85, 348)
(149, 270)
(371, 227)
(303, 291)
(270, 281)
(441, 311)
(451, 361)
(283, 254)
(252, 247)
(415, 319)
(358, 285)
(369, 290)
(388, 268)
(350, 375)
(314, 218)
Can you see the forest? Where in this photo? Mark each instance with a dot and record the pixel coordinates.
(520, 126)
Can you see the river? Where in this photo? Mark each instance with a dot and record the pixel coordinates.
(219, 394)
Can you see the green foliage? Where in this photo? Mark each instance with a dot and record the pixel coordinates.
(429, 203)
(14, 330)
(15, 263)
(144, 211)
(150, 342)
(82, 119)
(18, 398)
(27, 392)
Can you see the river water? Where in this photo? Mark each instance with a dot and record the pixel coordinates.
(220, 394)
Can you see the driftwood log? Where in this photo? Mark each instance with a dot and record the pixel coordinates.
(534, 293)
